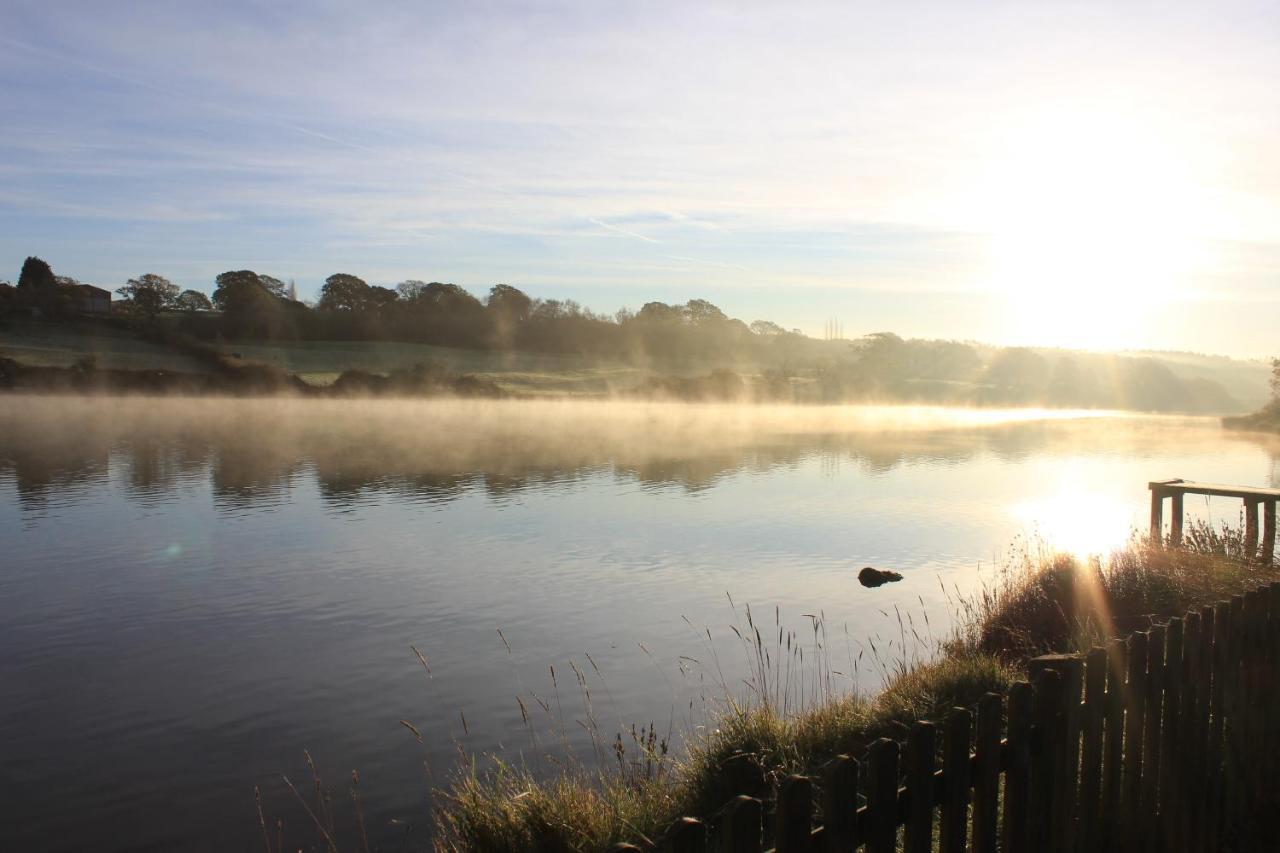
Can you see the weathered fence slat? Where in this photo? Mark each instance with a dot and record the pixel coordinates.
(1214, 779)
(1047, 742)
(955, 781)
(1135, 720)
(882, 799)
(1151, 730)
(1066, 758)
(741, 830)
(791, 823)
(1235, 744)
(687, 835)
(919, 758)
(1171, 748)
(1017, 777)
(1095, 704)
(986, 773)
(1198, 686)
(1113, 739)
(840, 805)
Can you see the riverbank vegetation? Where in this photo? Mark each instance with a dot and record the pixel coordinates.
(1266, 419)
(525, 345)
(1043, 602)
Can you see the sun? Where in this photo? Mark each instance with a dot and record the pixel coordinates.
(1083, 523)
(1092, 223)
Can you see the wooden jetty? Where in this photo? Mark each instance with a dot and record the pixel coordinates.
(1253, 498)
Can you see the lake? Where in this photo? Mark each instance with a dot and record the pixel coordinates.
(194, 592)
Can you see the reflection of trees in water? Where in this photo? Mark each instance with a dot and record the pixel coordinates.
(156, 465)
(253, 451)
(43, 465)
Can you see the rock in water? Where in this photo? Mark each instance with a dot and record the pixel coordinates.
(876, 577)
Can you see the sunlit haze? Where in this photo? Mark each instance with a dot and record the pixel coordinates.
(1084, 175)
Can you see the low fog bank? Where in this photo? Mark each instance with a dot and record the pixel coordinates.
(690, 353)
(439, 448)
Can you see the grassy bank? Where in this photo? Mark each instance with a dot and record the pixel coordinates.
(1266, 419)
(1043, 602)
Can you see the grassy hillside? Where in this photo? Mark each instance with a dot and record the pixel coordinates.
(826, 372)
(320, 362)
(48, 345)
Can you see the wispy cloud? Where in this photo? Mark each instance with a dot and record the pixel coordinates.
(747, 150)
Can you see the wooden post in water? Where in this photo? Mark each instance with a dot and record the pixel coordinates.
(1251, 529)
(1175, 519)
(1157, 516)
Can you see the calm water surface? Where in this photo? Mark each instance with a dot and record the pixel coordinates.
(192, 593)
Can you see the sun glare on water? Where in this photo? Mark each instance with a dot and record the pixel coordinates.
(1092, 221)
(1077, 519)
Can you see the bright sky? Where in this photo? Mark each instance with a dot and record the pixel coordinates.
(1097, 175)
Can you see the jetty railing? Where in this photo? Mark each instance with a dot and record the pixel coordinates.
(1154, 743)
(1253, 498)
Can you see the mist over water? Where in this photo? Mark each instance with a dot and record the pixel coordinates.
(192, 592)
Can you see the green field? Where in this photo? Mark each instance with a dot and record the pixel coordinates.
(320, 362)
(47, 345)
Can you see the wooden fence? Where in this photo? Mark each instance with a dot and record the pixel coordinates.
(1154, 743)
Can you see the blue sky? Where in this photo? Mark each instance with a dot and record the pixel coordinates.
(1065, 173)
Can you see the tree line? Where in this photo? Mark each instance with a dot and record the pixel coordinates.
(248, 305)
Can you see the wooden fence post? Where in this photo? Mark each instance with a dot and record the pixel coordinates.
(1017, 778)
(743, 822)
(1063, 812)
(840, 805)
(882, 802)
(1089, 829)
(1048, 742)
(793, 820)
(1251, 529)
(921, 750)
(986, 773)
(955, 781)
